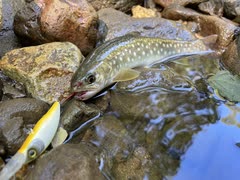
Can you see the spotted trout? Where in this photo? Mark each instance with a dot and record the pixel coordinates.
(115, 60)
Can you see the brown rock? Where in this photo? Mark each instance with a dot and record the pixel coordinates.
(141, 12)
(166, 3)
(208, 24)
(122, 5)
(231, 58)
(74, 21)
(44, 21)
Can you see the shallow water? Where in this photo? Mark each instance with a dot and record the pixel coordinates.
(181, 131)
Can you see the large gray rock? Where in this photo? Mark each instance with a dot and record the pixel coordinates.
(17, 117)
(68, 161)
(8, 39)
(152, 27)
(121, 5)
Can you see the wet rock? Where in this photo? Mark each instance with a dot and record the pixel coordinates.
(164, 77)
(231, 57)
(166, 3)
(208, 24)
(232, 8)
(17, 117)
(45, 70)
(73, 21)
(121, 5)
(1, 89)
(68, 161)
(135, 167)
(212, 7)
(141, 12)
(76, 113)
(8, 39)
(27, 24)
(152, 27)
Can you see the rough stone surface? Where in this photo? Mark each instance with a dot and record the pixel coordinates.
(166, 3)
(27, 24)
(152, 27)
(68, 161)
(208, 24)
(232, 8)
(231, 57)
(17, 117)
(1, 89)
(1, 18)
(8, 39)
(212, 7)
(45, 70)
(141, 12)
(76, 113)
(70, 20)
(121, 5)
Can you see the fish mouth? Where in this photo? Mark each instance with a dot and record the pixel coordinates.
(84, 95)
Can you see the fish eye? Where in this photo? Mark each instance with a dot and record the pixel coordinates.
(32, 153)
(90, 79)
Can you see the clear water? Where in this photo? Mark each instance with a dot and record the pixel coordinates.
(176, 131)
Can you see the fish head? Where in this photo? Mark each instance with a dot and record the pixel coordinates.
(87, 82)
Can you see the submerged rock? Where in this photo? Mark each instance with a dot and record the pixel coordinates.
(231, 57)
(121, 5)
(76, 113)
(1, 89)
(45, 70)
(49, 21)
(17, 117)
(164, 78)
(68, 161)
(152, 27)
(232, 8)
(209, 24)
(212, 7)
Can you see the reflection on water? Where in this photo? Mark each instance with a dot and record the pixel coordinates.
(161, 134)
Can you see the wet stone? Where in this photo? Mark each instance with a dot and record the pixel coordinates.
(141, 12)
(208, 24)
(45, 70)
(121, 5)
(17, 117)
(76, 113)
(166, 3)
(1, 89)
(68, 161)
(152, 27)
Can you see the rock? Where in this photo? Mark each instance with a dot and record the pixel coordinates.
(17, 117)
(231, 57)
(232, 8)
(166, 3)
(53, 20)
(121, 5)
(76, 113)
(1, 89)
(45, 70)
(27, 24)
(68, 161)
(134, 167)
(208, 24)
(165, 78)
(1, 18)
(212, 7)
(152, 27)
(8, 39)
(141, 12)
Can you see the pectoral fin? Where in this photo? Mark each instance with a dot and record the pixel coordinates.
(126, 75)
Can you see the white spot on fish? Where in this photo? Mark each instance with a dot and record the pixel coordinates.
(138, 49)
(143, 53)
(151, 51)
(121, 58)
(134, 53)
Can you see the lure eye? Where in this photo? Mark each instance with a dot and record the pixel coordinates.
(32, 153)
(90, 79)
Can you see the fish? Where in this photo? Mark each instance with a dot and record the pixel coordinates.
(116, 60)
(36, 142)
